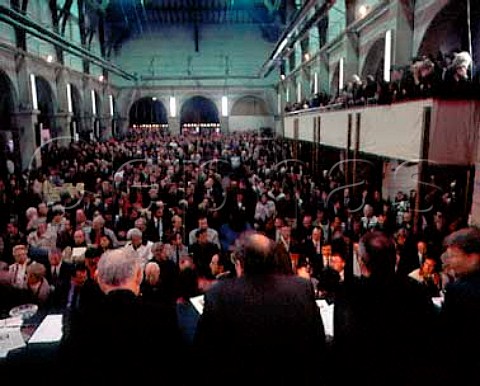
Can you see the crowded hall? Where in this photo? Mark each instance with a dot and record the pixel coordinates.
(211, 192)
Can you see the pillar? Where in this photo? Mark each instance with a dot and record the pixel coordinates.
(26, 122)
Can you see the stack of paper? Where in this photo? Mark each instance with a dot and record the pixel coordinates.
(49, 331)
(326, 311)
(10, 335)
(198, 302)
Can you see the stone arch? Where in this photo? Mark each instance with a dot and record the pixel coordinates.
(9, 140)
(197, 111)
(77, 108)
(7, 101)
(374, 60)
(147, 110)
(250, 105)
(448, 30)
(46, 107)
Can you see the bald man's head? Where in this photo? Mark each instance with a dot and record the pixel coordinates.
(254, 253)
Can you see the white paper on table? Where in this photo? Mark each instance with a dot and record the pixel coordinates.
(198, 302)
(10, 338)
(438, 301)
(326, 311)
(50, 330)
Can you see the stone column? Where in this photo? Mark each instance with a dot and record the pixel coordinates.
(25, 122)
(351, 60)
(224, 125)
(174, 125)
(62, 121)
(106, 127)
(402, 42)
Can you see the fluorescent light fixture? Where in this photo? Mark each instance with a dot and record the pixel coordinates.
(299, 91)
(69, 98)
(287, 94)
(315, 82)
(340, 74)
(387, 62)
(94, 102)
(110, 104)
(173, 107)
(33, 86)
(224, 106)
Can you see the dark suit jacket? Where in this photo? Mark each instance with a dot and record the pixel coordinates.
(460, 331)
(266, 328)
(383, 330)
(316, 259)
(58, 298)
(122, 338)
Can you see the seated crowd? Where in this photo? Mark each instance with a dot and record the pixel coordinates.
(181, 203)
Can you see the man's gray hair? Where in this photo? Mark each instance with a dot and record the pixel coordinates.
(134, 232)
(117, 266)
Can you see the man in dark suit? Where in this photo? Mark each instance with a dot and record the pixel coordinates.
(461, 309)
(312, 248)
(383, 313)
(58, 274)
(255, 323)
(159, 224)
(117, 336)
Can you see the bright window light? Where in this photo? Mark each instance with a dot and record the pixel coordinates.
(173, 107)
(315, 83)
(33, 85)
(224, 106)
(110, 104)
(69, 98)
(387, 62)
(340, 74)
(94, 102)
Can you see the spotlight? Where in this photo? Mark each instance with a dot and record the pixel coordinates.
(363, 11)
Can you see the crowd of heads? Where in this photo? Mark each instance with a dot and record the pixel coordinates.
(447, 76)
(180, 200)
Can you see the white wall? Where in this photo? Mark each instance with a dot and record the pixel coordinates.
(248, 122)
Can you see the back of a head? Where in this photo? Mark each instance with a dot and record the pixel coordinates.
(465, 239)
(255, 253)
(117, 267)
(378, 254)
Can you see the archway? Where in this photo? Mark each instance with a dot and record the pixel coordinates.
(97, 108)
(250, 105)
(45, 127)
(75, 122)
(374, 61)
(9, 140)
(448, 32)
(148, 112)
(334, 87)
(199, 115)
